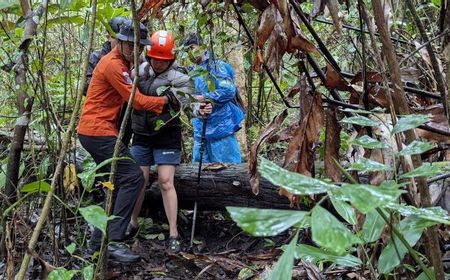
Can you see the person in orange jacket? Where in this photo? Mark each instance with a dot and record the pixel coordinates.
(109, 89)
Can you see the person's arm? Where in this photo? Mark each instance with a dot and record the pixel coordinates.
(182, 87)
(225, 89)
(93, 61)
(119, 78)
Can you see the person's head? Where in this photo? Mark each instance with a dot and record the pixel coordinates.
(126, 39)
(161, 54)
(194, 43)
(115, 24)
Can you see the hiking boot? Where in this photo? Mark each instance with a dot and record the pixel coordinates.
(174, 244)
(122, 253)
(131, 232)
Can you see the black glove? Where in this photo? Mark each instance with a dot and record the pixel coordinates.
(173, 101)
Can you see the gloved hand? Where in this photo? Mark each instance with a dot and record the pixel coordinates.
(173, 101)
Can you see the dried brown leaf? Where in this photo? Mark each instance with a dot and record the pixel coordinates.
(335, 80)
(314, 116)
(293, 199)
(266, 25)
(378, 177)
(303, 143)
(332, 144)
(258, 61)
(372, 77)
(299, 42)
(284, 135)
(438, 121)
(253, 159)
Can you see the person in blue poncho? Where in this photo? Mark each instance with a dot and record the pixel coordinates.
(216, 86)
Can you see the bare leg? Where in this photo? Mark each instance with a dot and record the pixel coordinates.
(140, 199)
(166, 175)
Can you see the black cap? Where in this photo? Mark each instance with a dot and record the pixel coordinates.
(116, 22)
(126, 33)
(193, 39)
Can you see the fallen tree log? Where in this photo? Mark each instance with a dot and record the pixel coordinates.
(217, 189)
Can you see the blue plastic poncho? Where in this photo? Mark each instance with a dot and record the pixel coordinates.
(225, 118)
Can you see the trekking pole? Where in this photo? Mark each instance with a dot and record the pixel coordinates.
(202, 150)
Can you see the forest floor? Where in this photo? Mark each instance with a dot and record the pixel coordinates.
(221, 250)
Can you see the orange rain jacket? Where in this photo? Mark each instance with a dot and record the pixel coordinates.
(109, 89)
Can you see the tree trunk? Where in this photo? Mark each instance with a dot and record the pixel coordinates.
(401, 107)
(24, 105)
(218, 189)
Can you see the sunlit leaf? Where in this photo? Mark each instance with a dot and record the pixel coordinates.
(108, 185)
(265, 222)
(366, 197)
(4, 4)
(329, 233)
(428, 169)
(416, 148)
(62, 274)
(429, 216)
(88, 272)
(77, 20)
(71, 248)
(360, 120)
(365, 164)
(373, 227)
(293, 182)
(369, 143)
(283, 268)
(410, 122)
(245, 273)
(96, 216)
(317, 255)
(346, 211)
(395, 251)
(36, 186)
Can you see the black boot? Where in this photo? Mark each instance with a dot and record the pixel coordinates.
(122, 253)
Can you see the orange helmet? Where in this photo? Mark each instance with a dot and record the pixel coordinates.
(163, 45)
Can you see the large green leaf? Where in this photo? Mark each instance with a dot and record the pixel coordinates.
(428, 169)
(360, 120)
(88, 272)
(373, 227)
(365, 164)
(96, 216)
(395, 251)
(293, 182)
(345, 210)
(423, 275)
(410, 122)
(329, 233)
(366, 197)
(283, 268)
(64, 4)
(369, 143)
(317, 255)
(62, 274)
(416, 148)
(36, 186)
(77, 20)
(265, 222)
(428, 216)
(4, 4)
